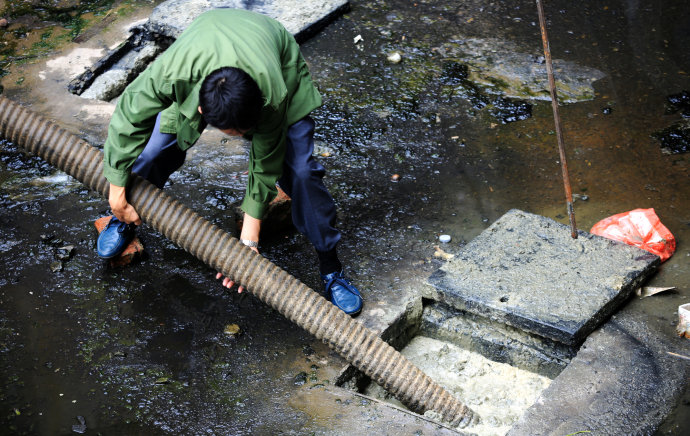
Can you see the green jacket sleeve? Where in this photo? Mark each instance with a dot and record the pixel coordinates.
(266, 158)
(132, 123)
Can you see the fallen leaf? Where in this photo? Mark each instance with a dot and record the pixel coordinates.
(232, 330)
(648, 291)
(442, 254)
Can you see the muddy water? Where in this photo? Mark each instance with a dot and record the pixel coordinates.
(142, 350)
(497, 392)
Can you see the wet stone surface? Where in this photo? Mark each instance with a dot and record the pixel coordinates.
(526, 271)
(501, 66)
(173, 16)
(110, 75)
(614, 383)
(675, 139)
(679, 102)
(103, 338)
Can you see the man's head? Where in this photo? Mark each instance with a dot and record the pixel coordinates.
(230, 100)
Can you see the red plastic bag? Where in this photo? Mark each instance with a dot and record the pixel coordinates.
(640, 228)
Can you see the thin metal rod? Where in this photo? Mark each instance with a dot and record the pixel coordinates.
(678, 355)
(557, 119)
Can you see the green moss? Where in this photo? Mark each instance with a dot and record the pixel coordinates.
(76, 25)
(125, 10)
(59, 24)
(47, 10)
(500, 83)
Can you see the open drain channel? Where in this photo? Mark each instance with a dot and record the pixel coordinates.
(499, 379)
(498, 392)
(508, 314)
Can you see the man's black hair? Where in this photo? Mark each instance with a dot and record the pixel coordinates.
(230, 99)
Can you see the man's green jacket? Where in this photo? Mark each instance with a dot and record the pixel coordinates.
(258, 45)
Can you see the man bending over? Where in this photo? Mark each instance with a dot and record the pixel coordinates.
(242, 73)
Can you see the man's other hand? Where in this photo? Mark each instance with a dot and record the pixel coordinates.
(229, 283)
(120, 207)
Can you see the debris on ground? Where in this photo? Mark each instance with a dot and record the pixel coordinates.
(679, 103)
(648, 291)
(683, 328)
(509, 110)
(640, 228)
(232, 330)
(442, 254)
(65, 252)
(674, 139)
(677, 355)
(300, 378)
(81, 427)
(395, 57)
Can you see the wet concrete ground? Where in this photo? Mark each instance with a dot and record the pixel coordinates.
(142, 350)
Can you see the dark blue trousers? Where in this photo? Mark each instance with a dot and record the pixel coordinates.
(313, 208)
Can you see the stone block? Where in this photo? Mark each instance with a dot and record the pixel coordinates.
(134, 250)
(526, 271)
(301, 18)
(622, 382)
(112, 73)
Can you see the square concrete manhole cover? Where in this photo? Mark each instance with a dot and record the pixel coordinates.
(526, 271)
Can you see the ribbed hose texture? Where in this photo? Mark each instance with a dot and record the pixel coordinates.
(221, 251)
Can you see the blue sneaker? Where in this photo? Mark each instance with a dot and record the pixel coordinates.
(342, 293)
(114, 238)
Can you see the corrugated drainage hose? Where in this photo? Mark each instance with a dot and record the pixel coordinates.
(221, 251)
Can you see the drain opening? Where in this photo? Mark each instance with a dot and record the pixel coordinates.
(497, 370)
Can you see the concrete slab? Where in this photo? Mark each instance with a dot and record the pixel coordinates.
(108, 77)
(526, 271)
(300, 17)
(622, 381)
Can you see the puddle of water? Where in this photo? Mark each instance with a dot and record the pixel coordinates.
(459, 167)
(139, 350)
